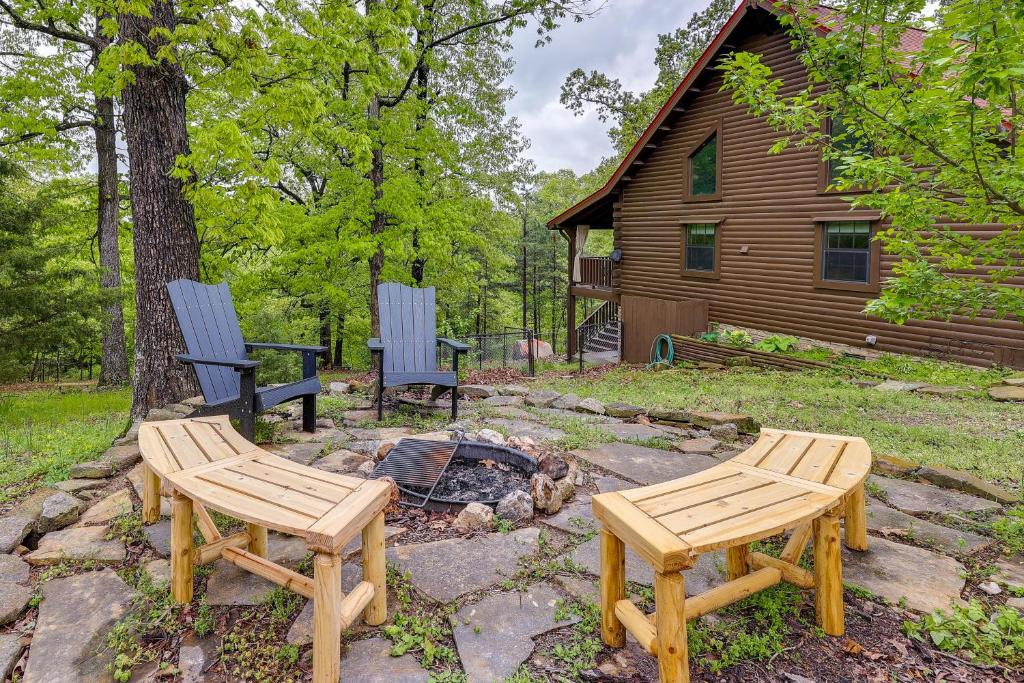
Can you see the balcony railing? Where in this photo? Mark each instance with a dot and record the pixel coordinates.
(595, 271)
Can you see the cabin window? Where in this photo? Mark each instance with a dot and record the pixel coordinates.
(699, 250)
(704, 168)
(846, 252)
(845, 143)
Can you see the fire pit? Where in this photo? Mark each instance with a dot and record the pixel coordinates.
(445, 476)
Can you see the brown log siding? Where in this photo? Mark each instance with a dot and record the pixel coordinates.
(768, 205)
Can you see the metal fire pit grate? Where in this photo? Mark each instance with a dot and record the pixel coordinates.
(419, 463)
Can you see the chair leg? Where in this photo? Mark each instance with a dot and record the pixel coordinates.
(181, 548)
(856, 520)
(828, 574)
(670, 623)
(150, 495)
(258, 543)
(326, 618)
(736, 558)
(613, 588)
(375, 571)
(309, 413)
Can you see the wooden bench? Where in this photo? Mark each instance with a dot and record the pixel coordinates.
(204, 463)
(787, 480)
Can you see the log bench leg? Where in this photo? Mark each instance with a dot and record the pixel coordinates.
(670, 622)
(150, 495)
(375, 571)
(736, 559)
(613, 588)
(828, 574)
(258, 544)
(856, 520)
(181, 548)
(326, 618)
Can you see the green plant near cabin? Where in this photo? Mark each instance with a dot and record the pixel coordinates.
(1010, 530)
(971, 632)
(739, 338)
(776, 344)
(580, 651)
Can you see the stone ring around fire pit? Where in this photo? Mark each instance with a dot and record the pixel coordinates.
(479, 473)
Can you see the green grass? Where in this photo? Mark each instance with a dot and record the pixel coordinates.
(43, 433)
(973, 434)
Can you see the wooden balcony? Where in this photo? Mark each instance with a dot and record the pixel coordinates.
(595, 279)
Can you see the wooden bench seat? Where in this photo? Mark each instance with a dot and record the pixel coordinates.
(204, 463)
(787, 480)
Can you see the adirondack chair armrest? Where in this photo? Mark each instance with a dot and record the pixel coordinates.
(457, 347)
(375, 345)
(238, 365)
(249, 346)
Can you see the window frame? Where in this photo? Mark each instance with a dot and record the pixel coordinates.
(715, 272)
(688, 196)
(874, 252)
(824, 179)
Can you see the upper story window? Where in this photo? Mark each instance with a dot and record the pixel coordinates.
(704, 172)
(844, 143)
(846, 252)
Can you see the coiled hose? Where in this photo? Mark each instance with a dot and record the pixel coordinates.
(662, 340)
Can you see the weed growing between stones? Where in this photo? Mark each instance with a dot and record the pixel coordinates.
(128, 528)
(580, 652)
(979, 637)
(1010, 530)
(152, 618)
(546, 562)
(422, 631)
(255, 648)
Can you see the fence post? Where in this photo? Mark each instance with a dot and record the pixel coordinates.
(531, 357)
(579, 346)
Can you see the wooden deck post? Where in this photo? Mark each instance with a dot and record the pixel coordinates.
(150, 495)
(613, 588)
(326, 618)
(856, 520)
(828, 574)
(736, 558)
(570, 299)
(670, 622)
(375, 571)
(258, 543)
(181, 548)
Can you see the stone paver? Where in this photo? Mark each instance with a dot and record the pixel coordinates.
(915, 498)
(301, 631)
(302, 453)
(526, 429)
(587, 557)
(159, 571)
(922, 579)
(59, 510)
(79, 544)
(503, 401)
(13, 569)
(20, 521)
(968, 483)
(702, 446)
(112, 506)
(635, 432)
(13, 599)
(85, 607)
(229, 585)
(645, 465)
(609, 484)
(494, 636)
(159, 536)
(581, 417)
(893, 385)
(356, 544)
(575, 517)
(195, 657)
(885, 520)
(445, 570)
(368, 661)
(744, 423)
(79, 485)
(1006, 393)
(1010, 571)
(96, 469)
(10, 652)
(619, 409)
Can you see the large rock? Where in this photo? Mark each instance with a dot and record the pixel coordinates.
(516, 507)
(79, 485)
(74, 618)
(553, 465)
(477, 391)
(527, 429)
(368, 661)
(1006, 393)
(445, 570)
(884, 520)
(702, 446)
(542, 398)
(339, 388)
(13, 599)
(342, 461)
(566, 402)
(893, 466)
(592, 406)
(968, 483)
(494, 636)
(546, 496)
(673, 415)
(619, 409)
(635, 432)
(112, 506)
(513, 390)
(917, 499)
(10, 653)
(17, 524)
(644, 465)
(123, 457)
(744, 423)
(892, 385)
(13, 570)
(902, 574)
(503, 401)
(78, 544)
(59, 510)
(475, 517)
(95, 469)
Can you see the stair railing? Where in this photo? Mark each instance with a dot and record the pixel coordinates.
(604, 315)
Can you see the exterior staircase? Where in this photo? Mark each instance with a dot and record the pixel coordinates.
(601, 332)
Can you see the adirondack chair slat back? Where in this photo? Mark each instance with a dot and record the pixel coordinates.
(408, 328)
(206, 316)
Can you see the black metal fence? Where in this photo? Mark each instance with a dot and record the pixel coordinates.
(513, 348)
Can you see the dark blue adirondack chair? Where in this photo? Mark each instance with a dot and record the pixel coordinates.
(220, 357)
(406, 350)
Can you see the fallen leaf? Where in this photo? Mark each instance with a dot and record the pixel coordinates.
(852, 647)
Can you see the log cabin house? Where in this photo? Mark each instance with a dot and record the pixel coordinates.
(709, 227)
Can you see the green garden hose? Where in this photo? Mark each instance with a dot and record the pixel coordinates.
(656, 356)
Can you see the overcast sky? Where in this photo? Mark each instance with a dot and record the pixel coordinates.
(620, 42)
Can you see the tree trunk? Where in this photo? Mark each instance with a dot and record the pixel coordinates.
(165, 240)
(378, 224)
(339, 342)
(114, 358)
(327, 359)
(523, 273)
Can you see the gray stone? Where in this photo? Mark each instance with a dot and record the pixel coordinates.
(79, 485)
(513, 390)
(1010, 571)
(516, 507)
(889, 522)
(726, 432)
(494, 636)
(17, 524)
(131, 436)
(301, 631)
(10, 653)
(59, 510)
(542, 398)
(477, 391)
(368, 661)
(13, 599)
(510, 412)
(586, 418)
(96, 469)
(702, 446)
(530, 430)
(112, 506)
(617, 409)
(503, 401)
(339, 388)
(302, 453)
(931, 390)
(676, 415)
(634, 432)
(576, 517)
(893, 385)
(342, 462)
(475, 517)
(161, 414)
(893, 465)
(229, 585)
(195, 656)
(85, 606)
(553, 465)
(78, 544)
(744, 423)
(13, 570)
(644, 465)
(445, 570)
(1016, 603)
(990, 588)
(706, 572)
(1006, 393)
(592, 406)
(566, 402)
(609, 484)
(367, 448)
(921, 579)
(123, 457)
(546, 496)
(968, 483)
(356, 544)
(159, 537)
(159, 571)
(915, 499)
